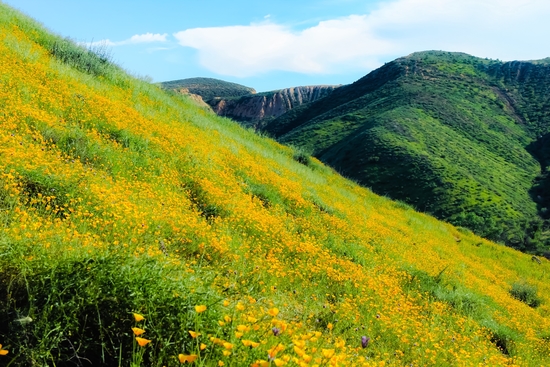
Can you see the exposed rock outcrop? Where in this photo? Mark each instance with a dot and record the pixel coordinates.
(256, 110)
(195, 97)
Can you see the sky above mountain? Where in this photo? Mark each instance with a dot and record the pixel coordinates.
(278, 44)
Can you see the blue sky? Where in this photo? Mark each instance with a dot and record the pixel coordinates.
(270, 45)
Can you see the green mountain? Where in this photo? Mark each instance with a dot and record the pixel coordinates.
(208, 88)
(459, 137)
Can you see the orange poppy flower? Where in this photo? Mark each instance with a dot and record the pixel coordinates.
(142, 342)
(138, 331)
(200, 308)
(193, 334)
(187, 358)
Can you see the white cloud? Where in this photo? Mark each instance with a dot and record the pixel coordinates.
(249, 50)
(506, 29)
(155, 49)
(135, 39)
(147, 38)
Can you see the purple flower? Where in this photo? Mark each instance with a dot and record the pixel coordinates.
(276, 331)
(364, 341)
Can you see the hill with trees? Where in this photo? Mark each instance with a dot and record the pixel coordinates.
(456, 136)
(209, 88)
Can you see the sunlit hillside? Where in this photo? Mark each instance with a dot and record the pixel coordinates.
(140, 229)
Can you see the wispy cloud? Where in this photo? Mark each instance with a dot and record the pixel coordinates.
(135, 39)
(155, 49)
(507, 29)
(147, 38)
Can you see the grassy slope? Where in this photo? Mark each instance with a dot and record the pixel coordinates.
(209, 88)
(445, 132)
(117, 198)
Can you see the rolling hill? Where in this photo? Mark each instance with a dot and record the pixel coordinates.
(459, 137)
(141, 229)
(209, 88)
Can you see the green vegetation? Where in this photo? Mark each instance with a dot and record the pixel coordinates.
(140, 229)
(525, 293)
(95, 61)
(456, 136)
(209, 88)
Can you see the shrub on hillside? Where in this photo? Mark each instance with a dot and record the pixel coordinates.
(302, 156)
(526, 293)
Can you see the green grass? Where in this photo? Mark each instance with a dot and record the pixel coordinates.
(39, 301)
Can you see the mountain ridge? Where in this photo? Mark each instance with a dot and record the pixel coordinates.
(484, 106)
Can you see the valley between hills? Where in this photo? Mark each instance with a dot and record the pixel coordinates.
(455, 136)
(139, 228)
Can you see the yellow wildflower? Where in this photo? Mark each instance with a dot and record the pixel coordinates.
(340, 343)
(200, 308)
(142, 342)
(202, 346)
(138, 331)
(187, 358)
(193, 334)
(138, 317)
(3, 352)
(273, 311)
(243, 328)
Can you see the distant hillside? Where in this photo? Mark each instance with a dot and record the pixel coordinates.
(209, 88)
(454, 135)
(243, 104)
(258, 109)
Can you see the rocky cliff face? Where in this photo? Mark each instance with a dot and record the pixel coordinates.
(195, 97)
(256, 110)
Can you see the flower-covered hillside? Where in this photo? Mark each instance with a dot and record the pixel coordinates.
(141, 229)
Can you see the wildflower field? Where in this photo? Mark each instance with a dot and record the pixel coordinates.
(141, 229)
